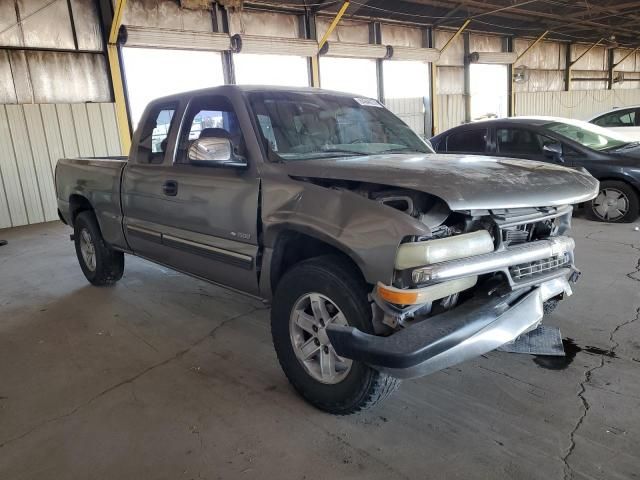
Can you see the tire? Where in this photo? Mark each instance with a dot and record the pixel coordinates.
(333, 282)
(624, 206)
(107, 265)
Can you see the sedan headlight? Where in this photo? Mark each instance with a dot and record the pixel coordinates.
(416, 254)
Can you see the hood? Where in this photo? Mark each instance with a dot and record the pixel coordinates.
(626, 157)
(464, 182)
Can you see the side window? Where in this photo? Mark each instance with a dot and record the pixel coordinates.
(568, 151)
(469, 141)
(621, 118)
(267, 131)
(155, 132)
(520, 141)
(209, 117)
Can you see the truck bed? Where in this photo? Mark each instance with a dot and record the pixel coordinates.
(98, 180)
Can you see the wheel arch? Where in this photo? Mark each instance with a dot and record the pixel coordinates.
(77, 204)
(292, 245)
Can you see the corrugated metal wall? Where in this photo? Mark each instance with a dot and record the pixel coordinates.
(579, 104)
(32, 139)
(450, 112)
(411, 110)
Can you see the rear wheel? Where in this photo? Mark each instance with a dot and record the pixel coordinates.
(310, 296)
(617, 202)
(100, 264)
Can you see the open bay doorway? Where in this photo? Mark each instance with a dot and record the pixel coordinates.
(489, 91)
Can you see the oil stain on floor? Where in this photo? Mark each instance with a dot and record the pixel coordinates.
(571, 349)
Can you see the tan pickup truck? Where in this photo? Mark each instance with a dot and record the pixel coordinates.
(381, 259)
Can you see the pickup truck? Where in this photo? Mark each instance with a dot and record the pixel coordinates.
(381, 259)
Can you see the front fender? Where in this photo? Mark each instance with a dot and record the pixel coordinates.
(364, 229)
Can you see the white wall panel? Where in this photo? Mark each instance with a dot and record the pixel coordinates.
(32, 139)
(41, 163)
(24, 161)
(579, 104)
(450, 112)
(13, 201)
(410, 110)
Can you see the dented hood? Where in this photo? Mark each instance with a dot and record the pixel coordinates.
(464, 182)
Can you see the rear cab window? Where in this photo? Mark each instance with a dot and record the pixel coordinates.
(154, 135)
(468, 141)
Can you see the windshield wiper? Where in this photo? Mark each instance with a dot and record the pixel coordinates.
(398, 150)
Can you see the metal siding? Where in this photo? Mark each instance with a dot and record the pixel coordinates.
(81, 127)
(579, 104)
(32, 139)
(24, 160)
(450, 112)
(410, 110)
(67, 131)
(52, 134)
(110, 125)
(10, 175)
(97, 130)
(41, 163)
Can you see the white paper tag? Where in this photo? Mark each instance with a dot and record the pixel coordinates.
(367, 102)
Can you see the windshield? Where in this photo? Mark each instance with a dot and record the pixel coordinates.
(309, 125)
(588, 135)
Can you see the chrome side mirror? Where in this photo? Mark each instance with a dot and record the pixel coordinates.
(213, 151)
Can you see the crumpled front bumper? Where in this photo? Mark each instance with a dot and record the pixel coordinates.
(474, 328)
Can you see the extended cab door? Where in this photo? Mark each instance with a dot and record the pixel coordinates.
(201, 219)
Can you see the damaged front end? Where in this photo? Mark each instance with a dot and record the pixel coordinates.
(478, 282)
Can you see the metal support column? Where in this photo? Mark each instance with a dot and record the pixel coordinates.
(124, 126)
(375, 37)
(467, 79)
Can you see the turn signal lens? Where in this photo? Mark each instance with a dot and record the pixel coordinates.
(431, 293)
(397, 296)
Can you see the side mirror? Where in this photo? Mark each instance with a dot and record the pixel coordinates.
(553, 151)
(213, 151)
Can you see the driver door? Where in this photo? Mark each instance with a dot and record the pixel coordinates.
(197, 217)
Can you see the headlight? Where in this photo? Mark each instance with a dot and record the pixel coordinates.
(416, 254)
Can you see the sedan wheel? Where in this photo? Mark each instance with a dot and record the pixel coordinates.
(611, 204)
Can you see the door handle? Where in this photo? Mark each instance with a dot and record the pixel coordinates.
(170, 188)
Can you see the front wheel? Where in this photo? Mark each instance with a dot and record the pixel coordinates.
(617, 202)
(101, 264)
(312, 295)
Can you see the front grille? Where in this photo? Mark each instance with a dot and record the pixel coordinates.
(516, 235)
(528, 270)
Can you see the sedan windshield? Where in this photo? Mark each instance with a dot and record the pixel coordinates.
(588, 135)
(309, 125)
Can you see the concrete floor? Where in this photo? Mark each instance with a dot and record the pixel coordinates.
(167, 377)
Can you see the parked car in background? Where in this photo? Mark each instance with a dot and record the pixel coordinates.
(625, 120)
(610, 157)
(333, 210)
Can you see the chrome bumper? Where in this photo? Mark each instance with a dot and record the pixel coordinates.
(476, 327)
